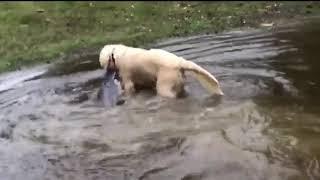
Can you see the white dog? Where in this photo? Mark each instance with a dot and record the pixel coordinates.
(154, 68)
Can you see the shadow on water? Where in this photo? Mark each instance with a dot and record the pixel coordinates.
(266, 127)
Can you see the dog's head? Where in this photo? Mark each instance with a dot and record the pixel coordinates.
(105, 56)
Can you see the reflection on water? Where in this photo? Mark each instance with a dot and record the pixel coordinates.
(266, 127)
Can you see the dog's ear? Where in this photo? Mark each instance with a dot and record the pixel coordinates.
(112, 56)
(111, 62)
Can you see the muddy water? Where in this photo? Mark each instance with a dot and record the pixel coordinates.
(266, 127)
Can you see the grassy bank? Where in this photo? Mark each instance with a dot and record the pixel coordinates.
(33, 32)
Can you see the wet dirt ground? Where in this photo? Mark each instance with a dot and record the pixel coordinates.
(267, 126)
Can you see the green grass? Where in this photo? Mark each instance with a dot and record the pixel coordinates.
(35, 32)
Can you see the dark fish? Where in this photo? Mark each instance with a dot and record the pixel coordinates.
(111, 95)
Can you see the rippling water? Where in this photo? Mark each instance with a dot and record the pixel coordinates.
(266, 127)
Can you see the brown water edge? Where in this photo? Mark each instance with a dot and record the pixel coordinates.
(266, 127)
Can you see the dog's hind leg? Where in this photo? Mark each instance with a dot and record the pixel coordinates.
(165, 91)
(169, 83)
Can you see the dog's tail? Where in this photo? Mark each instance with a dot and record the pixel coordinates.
(206, 79)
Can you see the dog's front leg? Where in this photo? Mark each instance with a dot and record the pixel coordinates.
(128, 87)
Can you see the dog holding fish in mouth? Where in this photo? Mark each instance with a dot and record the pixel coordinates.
(128, 69)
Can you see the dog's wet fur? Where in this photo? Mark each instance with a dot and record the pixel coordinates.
(154, 69)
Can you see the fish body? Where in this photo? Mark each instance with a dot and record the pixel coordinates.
(111, 91)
